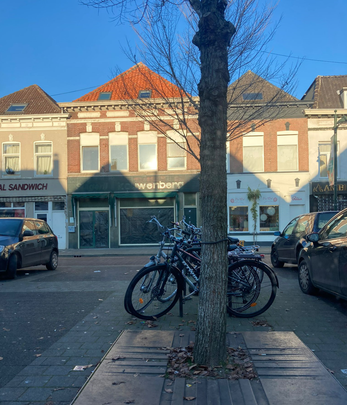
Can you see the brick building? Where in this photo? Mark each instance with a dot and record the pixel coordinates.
(269, 153)
(122, 168)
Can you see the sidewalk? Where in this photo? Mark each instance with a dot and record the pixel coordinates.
(125, 251)
(288, 374)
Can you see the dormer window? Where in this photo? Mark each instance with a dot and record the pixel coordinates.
(145, 94)
(16, 107)
(105, 96)
(252, 96)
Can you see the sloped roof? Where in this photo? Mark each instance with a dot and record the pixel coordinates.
(128, 84)
(251, 84)
(39, 102)
(323, 91)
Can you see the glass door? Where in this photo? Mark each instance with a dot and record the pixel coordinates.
(94, 229)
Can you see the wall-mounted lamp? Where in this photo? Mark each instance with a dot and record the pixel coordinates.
(238, 183)
(268, 183)
(297, 182)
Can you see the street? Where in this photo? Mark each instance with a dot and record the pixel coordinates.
(52, 321)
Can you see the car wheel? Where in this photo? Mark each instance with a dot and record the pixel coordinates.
(12, 267)
(304, 277)
(53, 261)
(274, 259)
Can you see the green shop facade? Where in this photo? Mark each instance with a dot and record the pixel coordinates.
(113, 211)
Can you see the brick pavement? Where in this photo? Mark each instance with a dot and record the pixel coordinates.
(320, 322)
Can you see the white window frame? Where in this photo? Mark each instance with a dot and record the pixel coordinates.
(89, 139)
(288, 138)
(250, 140)
(327, 154)
(50, 174)
(118, 139)
(4, 155)
(175, 137)
(147, 138)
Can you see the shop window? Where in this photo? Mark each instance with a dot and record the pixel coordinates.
(287, 153)
(323, 158)
(118, 151)
(269, 218)
(58, 205)
(147, 144)
(11, 159)
(90, 152)
(253, 152)
(43, 158)
(238, 219)
(41, 206)
(8, 209)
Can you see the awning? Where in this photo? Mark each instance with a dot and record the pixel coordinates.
(91, 195)
(146, 195)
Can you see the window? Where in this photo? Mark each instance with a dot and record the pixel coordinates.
(58, 206)
(147, 143)
(269, 218)
(118, 151)
(176, 155)
(323, 158)
(288, 230)
(90, 152)
(253, 153)
(43, 158)
(8, 209)
(336, 229)
(287, 153)
(16, 107)
(11, 159)
(145, 94)
(105, 96)
(252, 96)
(238, 219)
(303, 226)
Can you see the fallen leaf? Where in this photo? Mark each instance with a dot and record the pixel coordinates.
(129, 401)
(7, 330)
(118, 358)
(38, 355)
(1, 358)
(168, 390)
(118, 383)
(189, 398)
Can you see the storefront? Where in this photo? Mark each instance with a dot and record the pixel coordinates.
(113, 211)
(45, 199)
(322, 196)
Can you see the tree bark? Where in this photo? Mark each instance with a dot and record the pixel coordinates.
(213, 39)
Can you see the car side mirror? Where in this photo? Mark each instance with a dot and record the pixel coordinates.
(277, 233)
(313, 237)
(28, 233)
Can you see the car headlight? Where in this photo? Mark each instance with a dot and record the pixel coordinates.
(2, 248)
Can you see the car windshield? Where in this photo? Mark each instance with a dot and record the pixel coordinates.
(10, 227)
(324, 218)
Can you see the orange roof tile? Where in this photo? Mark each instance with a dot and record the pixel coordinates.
(128, 84)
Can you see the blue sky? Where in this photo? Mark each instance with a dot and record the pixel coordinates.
(63, 46)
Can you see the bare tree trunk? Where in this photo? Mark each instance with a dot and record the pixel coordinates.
(212, 40)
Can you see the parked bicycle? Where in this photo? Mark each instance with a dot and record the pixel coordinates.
(157, 287)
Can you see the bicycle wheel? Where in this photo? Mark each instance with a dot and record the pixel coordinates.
(153, 292)
(247, 295)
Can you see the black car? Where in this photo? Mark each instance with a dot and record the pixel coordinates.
(323, 261)
(288, 244)
(26, 242)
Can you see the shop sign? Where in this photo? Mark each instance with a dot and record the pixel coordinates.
(324, 188)
(160, 185)
(297, 199)
(268, 200)
(24, 187)
(239, 201)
